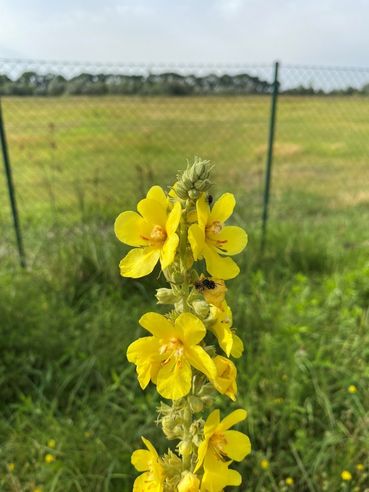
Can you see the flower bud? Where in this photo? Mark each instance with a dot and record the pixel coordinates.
(189, 483)
(201, 308)
(181, 191)
(165, 296)
(195, 404)
(194, 179)
(185, 448)
(193, 194)
(203, 185)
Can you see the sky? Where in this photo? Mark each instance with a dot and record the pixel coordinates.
(310, 32)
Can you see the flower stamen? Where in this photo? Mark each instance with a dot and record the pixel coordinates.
(215, 227)
(158, 235)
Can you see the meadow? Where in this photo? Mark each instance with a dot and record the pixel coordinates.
(71, 409)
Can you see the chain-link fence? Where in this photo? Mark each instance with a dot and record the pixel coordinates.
(84, 140)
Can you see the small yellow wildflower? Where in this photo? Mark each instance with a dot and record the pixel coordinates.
(149, 462)
(166, 357)
(221, 326)
(189, 483)
(49, 458)
(226, 379)
(210, 239)
(264, 464)
(289, 481)
(360, 467)
(352, 389)
(220, 443)
(51, 443)
(278, 401)
(346, 476)
(37, 489)
(10, 467)
(152, 234)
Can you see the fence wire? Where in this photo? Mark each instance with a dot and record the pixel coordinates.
(86, 139)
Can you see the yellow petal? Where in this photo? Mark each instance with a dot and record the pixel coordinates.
(141, 482)
(174, 379)
(157, 324)
(191, 328)
(131, 229)
(203, 211)
(150, 447)
(173, 219)
(196, 238)
(168, 251)
(237, 445)
(232, 419)
(216, 296)
(201, 453)
(140, 459)
(237, 347)
(222, 208)
(145, 353)
(219, 266)
(217, 475)
(156, 193)
(225, 382)
(212, 422)
(201, 361)
(222, 330)
(231, 240)
(153, 212)
(139, 262)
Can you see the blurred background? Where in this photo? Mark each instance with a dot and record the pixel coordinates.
(82, 141)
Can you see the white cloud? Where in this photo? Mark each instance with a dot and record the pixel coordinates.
(229, 8)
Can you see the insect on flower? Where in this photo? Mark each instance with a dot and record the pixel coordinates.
(213, 289)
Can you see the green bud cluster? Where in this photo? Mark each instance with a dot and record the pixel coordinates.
(194, 180)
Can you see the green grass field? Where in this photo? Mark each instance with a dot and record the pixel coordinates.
(301, 309)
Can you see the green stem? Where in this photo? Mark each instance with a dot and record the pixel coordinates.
(186, 458)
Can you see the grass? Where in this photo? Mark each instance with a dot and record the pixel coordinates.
(302, 309)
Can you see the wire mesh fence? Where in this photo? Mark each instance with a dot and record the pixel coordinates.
(86, 139)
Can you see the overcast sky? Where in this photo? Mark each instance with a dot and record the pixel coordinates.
(334, 32)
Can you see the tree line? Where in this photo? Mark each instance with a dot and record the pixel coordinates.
(169, 83)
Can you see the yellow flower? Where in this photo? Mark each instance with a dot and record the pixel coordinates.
(289, 481)
(51, 443)
(220, 443)
(10, 467)
(264, 464)
(218, 476)
(37, 489)
(225, 382)
(352, 389)
(213, 290)
(210, 239)
(346, 475)
(229, 342)
(360, 467)
(49, 458)
(189, 483)
(149, 462)
(153, 234)
(166, 357)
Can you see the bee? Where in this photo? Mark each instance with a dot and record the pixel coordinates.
(213, 290)
(205, 284)
(209, 199)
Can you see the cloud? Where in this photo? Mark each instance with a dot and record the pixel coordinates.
(229, 8)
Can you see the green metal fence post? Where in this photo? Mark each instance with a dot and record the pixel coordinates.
(11, 190)
(269, 160)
